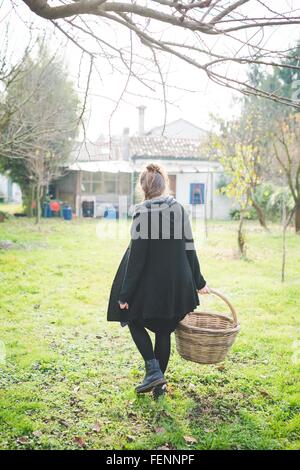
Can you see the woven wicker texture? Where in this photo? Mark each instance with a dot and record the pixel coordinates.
(205, 337)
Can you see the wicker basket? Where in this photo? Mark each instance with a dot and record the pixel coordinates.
(206, 337)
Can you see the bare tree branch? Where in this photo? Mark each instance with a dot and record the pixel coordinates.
(202, 20)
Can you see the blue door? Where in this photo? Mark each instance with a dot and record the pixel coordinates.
(197, 193)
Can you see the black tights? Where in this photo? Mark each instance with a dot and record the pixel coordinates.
(143, 342)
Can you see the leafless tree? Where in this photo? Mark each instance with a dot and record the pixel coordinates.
(10, 73)
(38, 122)
(286, 146)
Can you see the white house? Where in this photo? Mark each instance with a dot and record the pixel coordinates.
(102, 172)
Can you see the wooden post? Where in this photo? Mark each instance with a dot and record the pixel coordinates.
(132, 196)
(211, 195)
(284, 227)
(79, 192)
(205, 205)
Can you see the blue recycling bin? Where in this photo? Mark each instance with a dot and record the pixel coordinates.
(111, 213)
(67, 213)
(47, 210)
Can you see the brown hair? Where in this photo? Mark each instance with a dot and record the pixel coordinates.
(153, 181)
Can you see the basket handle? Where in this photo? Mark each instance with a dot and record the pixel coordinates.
(232, 309)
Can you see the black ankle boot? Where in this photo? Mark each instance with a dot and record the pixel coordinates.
(159, 391)
(153, 377)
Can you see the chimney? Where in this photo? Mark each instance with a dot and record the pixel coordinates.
(125, 144)
(141, 109)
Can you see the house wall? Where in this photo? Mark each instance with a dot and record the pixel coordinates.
(179, 129)
(105, 188)
(195, 171)
(216, 206)
(9, 192)
(221, 203)
(3, 188)
(184, 180)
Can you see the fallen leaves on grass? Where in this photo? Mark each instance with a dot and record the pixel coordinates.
(208, 430)
(264, 393)
(166, 446)
(96, 427)
(190, 440)
(79, 441)
(22, 440)
(192, 386)
(165, 414)
(64, 423)
(159, 430)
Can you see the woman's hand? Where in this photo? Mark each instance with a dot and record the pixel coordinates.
(204, 290)
(124, 306)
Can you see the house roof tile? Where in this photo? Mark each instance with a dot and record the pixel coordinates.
(166, 147)
(154, 147)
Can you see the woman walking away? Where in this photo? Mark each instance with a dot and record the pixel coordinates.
(159, 277)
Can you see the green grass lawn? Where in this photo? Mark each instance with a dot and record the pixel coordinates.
(69, 376)
(11, 208)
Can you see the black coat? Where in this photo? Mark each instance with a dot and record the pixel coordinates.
(159, 274)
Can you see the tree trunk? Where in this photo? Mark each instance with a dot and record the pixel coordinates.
(38, 204)
(260, 214)
(31, 199)
(241, 237)
(297, 217)
(284, 224)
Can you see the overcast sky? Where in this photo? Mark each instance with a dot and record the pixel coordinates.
(196, 105)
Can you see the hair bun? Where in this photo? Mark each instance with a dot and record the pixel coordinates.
(153, 180)
(153, 167)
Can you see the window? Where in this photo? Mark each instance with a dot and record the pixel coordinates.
(97, 183)
(97, 187)
(86, 182)
(109, 183)
(197, 193)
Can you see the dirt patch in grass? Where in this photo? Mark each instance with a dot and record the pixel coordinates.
(227, 253)
(214, 411)
(11, 245)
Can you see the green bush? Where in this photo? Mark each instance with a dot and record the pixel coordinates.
(280, 196)
(268, 196)
(235, 214)
(271, 197)
(263, 193)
